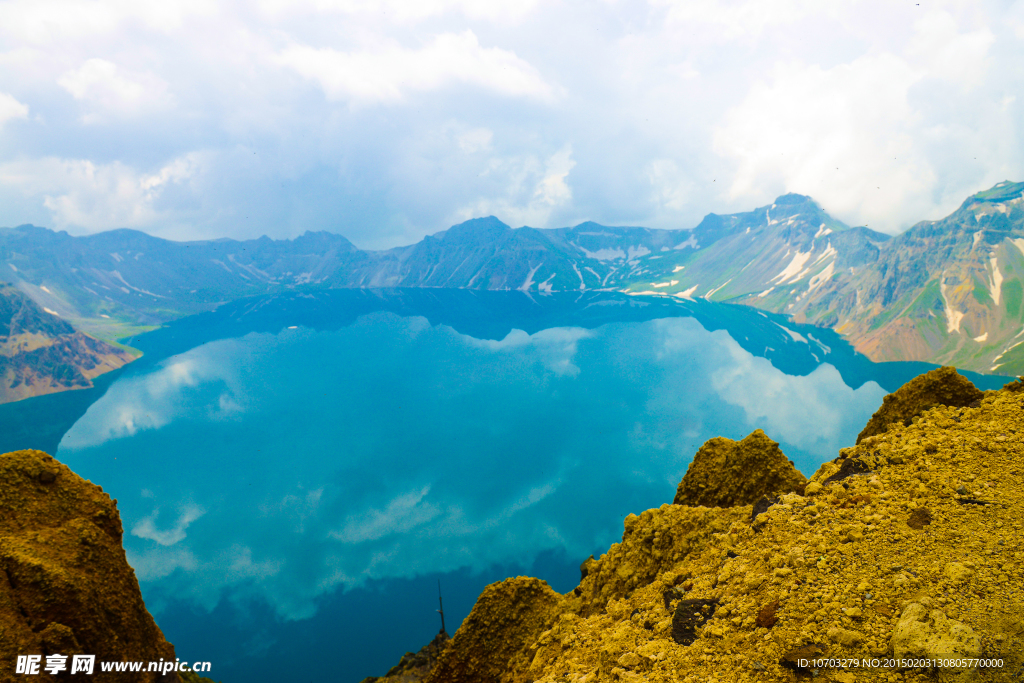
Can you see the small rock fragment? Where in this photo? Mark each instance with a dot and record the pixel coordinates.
(629, 660)
(957, 572)
(845, 637)
(919, 518)
(766, 617)
(848, 468)
(690, 615)
(762, 506)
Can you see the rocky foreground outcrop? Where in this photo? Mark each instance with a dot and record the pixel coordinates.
(906, 546)
(65, 585)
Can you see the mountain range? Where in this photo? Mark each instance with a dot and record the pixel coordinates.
(946, 291)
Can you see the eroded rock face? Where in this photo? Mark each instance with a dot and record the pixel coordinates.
(507, 618)
(940, 387)
(726, 473)
(65, 584)
(930, 634)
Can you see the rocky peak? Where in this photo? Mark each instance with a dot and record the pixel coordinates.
(65, 583)
(727, 473)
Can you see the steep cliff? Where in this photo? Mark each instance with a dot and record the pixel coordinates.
(65, 585)
(906, 546)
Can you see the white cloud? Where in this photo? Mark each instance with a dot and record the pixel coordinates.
(948, 54)
(83, 194)
(160, 562)
(108, 89)
(533, 193)
(844, 135)
(146, 527)
(738, 19)
(409, 10)
(475, 140)
(11, 108)
(671, 187)
(807, 411)
(57, 21)
(555, 347)
(656, 100)
(386, 73)
(156, 399)
(402, 514)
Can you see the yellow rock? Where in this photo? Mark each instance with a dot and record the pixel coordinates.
(955, 571)
(930, 634)
(845, 637)
(726, 473)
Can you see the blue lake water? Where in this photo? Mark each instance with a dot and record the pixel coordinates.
(294, 474)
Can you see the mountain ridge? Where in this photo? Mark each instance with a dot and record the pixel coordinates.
(946, 291)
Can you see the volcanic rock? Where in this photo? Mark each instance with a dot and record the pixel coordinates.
(726, 473)
(930, 634)
(414, 667)
(940, 387)
(507, 618)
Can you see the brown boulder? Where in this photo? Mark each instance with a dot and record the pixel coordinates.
(506, 619)
(65, 584)
(727, 473)
(941, 386)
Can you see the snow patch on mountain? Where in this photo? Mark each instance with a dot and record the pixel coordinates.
(793, 270)
(953, 317)
(995, 285)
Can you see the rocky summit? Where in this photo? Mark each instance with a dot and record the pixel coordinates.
(899, 561)
(942, 386)
(719, 475)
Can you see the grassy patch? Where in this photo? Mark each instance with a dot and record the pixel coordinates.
(1008, 191)
(930, 299)
(981, 293)
(1012, 362)
(111, 330)
(1013, 290)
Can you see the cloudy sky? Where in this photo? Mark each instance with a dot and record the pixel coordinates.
(385, 120)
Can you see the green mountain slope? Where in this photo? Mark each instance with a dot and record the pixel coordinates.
(946, 291)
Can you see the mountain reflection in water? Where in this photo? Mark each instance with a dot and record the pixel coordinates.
(292, 470)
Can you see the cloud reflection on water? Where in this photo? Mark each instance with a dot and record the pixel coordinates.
(390, 448)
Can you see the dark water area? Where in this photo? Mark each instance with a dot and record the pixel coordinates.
(357, 633)
(295, 473)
